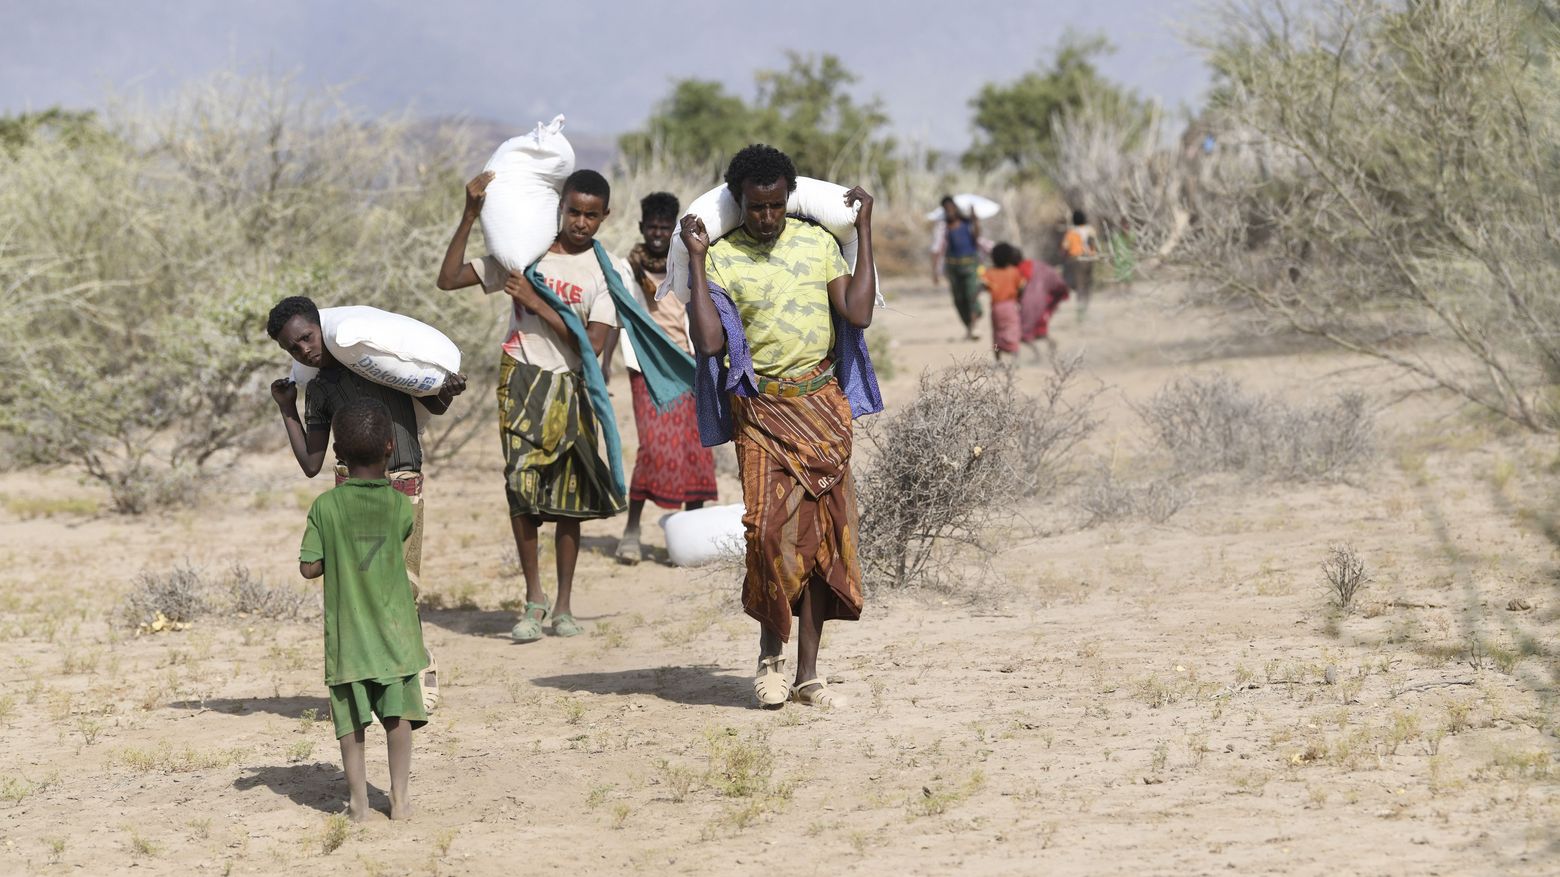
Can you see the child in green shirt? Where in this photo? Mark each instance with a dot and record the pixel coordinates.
(373, 641)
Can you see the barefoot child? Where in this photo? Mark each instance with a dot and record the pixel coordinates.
(294, 324)
(373, 641)
(1005, 284)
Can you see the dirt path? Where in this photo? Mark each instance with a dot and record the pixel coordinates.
(1129, 698)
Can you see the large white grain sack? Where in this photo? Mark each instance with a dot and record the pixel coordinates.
(984, 207)
(390, 349)
(704, 535)
(820, 201)
(520, 211)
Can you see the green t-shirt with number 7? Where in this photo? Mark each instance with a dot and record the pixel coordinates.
(371, 625)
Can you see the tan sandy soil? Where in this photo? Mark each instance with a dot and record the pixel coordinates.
(1128, 698)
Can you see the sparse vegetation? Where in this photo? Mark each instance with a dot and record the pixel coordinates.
(173, 599)
(947, 464)
(140, 261)
(1105, 499)
(177, 597)
(1340, 202)
(1213, 424)
(334, 833)
(1345, 573)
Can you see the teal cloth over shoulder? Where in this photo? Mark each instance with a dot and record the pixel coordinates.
(668, 369)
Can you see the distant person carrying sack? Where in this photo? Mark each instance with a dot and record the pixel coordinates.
(1080, 250)
(778, 318)
(959, 250)
(294, 323)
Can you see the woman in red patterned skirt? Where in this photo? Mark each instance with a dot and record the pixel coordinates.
(673, 468)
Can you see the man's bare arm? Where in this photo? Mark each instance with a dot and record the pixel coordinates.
(308, 447)
(454, 271)
(854, 295)
(709, 336)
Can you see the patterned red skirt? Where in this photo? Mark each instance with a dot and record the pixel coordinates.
(672, 467)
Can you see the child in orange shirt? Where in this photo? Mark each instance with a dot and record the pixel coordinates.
(1005, 283)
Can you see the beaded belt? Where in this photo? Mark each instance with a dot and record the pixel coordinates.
(792, 389)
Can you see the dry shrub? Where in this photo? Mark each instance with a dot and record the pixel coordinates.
(1213, 424)
(179, 595)
(951, 463)
(1345, 574)
(186, 593)
(1049, 429)
(1104, 499)
(248, 594)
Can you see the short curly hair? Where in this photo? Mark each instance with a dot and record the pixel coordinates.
(761, 164)
(360, 430)
(286, 309)
(1005, 255)
(589, 182)
(659, 205)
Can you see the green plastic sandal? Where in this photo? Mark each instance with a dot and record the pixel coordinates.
(528, 629)
(565, 625)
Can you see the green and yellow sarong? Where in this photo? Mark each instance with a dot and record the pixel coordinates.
(552, 469)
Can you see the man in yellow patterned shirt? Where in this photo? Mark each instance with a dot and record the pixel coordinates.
(787, 282)
(781, 290)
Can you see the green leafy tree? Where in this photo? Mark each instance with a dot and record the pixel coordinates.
(1014, 121)
(699, 123)
(807, 109)
(71, 127)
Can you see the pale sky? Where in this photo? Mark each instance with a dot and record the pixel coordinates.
(603, 63)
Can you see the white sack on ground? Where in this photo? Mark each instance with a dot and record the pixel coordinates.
(820, 201)
(520, 211)
(704, 535)
(389, 349)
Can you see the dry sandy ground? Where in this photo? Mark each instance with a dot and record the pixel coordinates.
(1125, 698)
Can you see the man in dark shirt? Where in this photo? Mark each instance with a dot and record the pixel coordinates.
(960, 252)
(295, 325)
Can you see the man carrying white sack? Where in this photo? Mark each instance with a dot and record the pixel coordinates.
(294, 324)
(777, 319)
(552, 399)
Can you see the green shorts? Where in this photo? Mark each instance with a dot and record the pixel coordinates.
(353, 705)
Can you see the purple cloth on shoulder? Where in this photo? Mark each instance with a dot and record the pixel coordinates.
(720, 377)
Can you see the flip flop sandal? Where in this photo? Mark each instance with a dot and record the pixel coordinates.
(814, 692)
(565, 625)
(528, 629)
(769, 685)
(430, 683)
(628, 551)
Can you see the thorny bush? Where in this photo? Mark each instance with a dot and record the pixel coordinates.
(946, 466)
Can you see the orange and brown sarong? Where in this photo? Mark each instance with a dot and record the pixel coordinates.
(800, 518)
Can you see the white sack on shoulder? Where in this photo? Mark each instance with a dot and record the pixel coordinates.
(817, 200)
(520, 211)
(389, 349)
(984, 207)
